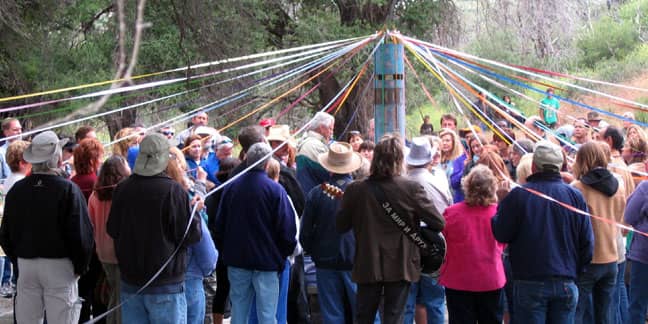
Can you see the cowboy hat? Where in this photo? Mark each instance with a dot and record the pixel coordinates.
(340, 159)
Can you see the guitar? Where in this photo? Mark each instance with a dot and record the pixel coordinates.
(434, 253)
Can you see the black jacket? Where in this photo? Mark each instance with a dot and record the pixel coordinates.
(148, 219)
(46, 216)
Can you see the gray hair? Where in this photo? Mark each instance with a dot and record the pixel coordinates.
(258, 152)
(523, 146)
(321, 119)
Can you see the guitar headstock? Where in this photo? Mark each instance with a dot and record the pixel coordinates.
(332, 191)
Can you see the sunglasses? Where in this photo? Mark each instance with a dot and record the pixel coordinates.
(167, 133)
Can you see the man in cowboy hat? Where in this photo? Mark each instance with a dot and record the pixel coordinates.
(427, 293)
(279, 134)
(332, 252)
(149, 217)
(46, 230)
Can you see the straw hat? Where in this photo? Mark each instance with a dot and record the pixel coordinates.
(340, 158)
(281, 133)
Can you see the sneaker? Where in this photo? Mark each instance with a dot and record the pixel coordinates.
(7, 291)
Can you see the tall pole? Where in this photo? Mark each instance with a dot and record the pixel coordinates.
(389, 87)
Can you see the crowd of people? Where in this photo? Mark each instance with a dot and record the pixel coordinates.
(139, 237)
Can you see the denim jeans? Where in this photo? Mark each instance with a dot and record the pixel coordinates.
(638, 292)
(597, 281)
(154, 308)
(195, 296)
(248, 285)
(6, 271)
(547, 301)
(620, 302)
(334, 287)
(429, 293)
(282, 302)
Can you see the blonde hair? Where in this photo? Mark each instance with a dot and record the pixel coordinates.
(175, 169)
(590, 156)
(121, 148)
(524, 168)
(640, 132)
(273, 168)
(457, 148)
(15, 154)
(479, 186)
(178, 157)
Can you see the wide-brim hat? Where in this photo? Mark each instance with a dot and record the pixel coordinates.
(281, 133)
(44, 147)
(340, 158)
(420, 153)
(153, 156)
(548, 156)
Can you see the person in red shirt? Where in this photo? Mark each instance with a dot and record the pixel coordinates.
(87, 159)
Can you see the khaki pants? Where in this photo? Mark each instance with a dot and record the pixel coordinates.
(47, 286)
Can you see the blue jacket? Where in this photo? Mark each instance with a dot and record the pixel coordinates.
(202, 256)
(211, 165)
(545, 240)
(318, 235)
(255, 224)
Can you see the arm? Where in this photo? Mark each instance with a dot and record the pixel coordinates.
(78, 231)
(205, 252)
(179, 217)
(5, 227)
(586, 235)
(506, 221)
(344, 217)
(308, 224)
(427, 211)
(636, 207)
(220, 223)
(285, 226)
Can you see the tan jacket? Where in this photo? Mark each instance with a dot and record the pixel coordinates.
(610, 208)
(383, 253)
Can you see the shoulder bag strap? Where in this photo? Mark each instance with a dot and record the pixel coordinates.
(396, 215)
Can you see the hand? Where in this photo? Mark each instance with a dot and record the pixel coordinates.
(198, 202)
(201, 174)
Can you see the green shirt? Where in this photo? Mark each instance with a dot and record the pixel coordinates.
(549, 114)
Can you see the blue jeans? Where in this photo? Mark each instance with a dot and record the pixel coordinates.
(548, 301)
(282, 303)
(244, 285)
(154, 308)
(638, 292)
(599, 282)
(195, 296)
(6, 270)
(620, 302)
(429, 293)
(333, 288)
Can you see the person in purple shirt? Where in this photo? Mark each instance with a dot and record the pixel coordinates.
(636, 214)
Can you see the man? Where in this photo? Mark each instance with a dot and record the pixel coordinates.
(549, 245)
(427, 294)
(594, 119)
(581, 133)
(387, 261)
(167, 131)
(549, 109)
(629, 118)
(309, 172)
(371, 133)
(199, 119)
(534, 124)
(266, 124)
(10, 127)
(149, 217)
(332, 252)
(84, 132)
(613, 137)
(255, 232)
(426, 127)
(449, 121)
(46, 230)
(287, 176)
(223, 150)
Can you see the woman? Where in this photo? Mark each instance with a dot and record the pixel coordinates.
(605, 198)
(634, 154)
(121, 147)
(452, 161)
(636, 214)
(193, 152)
(202, 255)
(473, 273)
(390, 261)
(87, 159)
(219, 303)
(114, 170)
(491, 159)
(634, 131)
(355, 139)
(475, 147)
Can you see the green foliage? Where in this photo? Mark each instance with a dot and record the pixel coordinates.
(608, 39)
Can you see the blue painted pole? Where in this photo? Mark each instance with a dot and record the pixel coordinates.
(389, 87)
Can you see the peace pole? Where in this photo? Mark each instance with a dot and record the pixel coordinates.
(389, 87)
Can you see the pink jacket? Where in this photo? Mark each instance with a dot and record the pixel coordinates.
(99, 211)
(474, 257)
